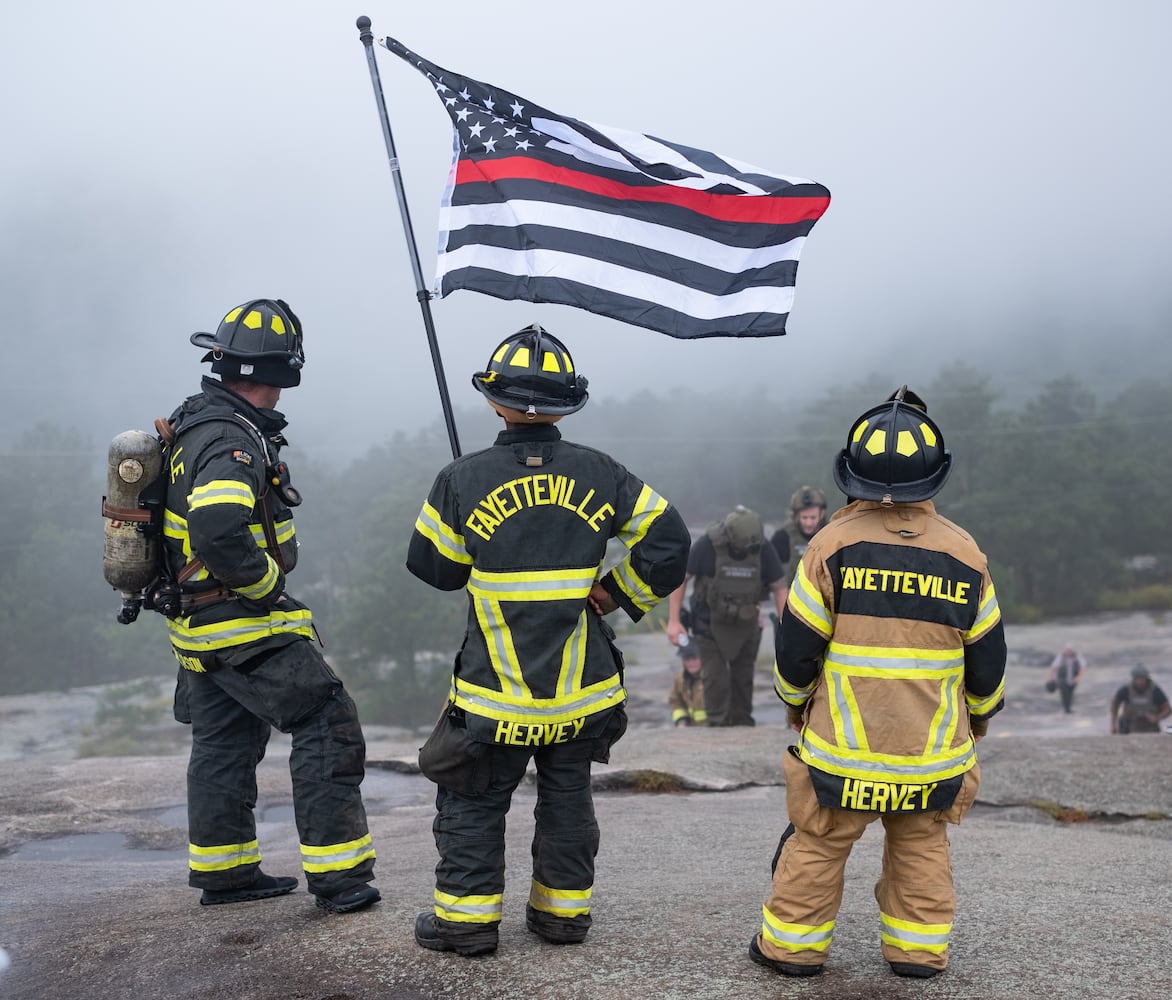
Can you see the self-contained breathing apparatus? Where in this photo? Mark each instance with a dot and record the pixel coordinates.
(133, 559)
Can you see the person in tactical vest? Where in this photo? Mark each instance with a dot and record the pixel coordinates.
(1138, 706)
(807, 508)
(731, 569)
(523, 526)
(247, 650)
(890, 659)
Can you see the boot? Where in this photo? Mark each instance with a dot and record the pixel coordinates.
(355, 898)
(482, 942)
(785, 968)
(262, 886)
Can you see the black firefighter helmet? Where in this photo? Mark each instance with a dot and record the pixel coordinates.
(894, 454)
(259, 340)
(531, 371)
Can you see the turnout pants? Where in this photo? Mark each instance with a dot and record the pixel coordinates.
(470, 837)
(727, 661)
(915, 892)
(230, 710)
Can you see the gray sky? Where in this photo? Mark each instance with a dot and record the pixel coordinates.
(997, 173)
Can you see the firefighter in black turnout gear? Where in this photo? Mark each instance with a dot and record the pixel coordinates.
(523, 526)
(247, 650)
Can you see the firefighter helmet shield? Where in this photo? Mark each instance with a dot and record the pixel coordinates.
(532, 372)
(259, 340)
(895, 454)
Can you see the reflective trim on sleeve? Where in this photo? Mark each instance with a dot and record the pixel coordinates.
(648, 508)
(283, 530)
(449, 543)
(630, 583)
(221, 491)
(264, 586)
(988, 615)
(806, 602)
(985, 705)
(787, 692)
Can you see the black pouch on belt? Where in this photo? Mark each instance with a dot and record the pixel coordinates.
(452, 759)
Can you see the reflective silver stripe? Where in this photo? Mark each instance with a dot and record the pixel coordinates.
(840, 763)
(948, 693)
(903, 935)
(573, 659)
(582, 705)
(448, 543)
(808, 604)
(987, 616)
(239, 854)
(641, 595)
(500, 651)
(648, 508)
(980, 706)
(787, 692)
(839, 688)
(532, 586)
(876, 661)
(796, 937)
(219, 493)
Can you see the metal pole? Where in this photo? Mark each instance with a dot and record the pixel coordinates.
(421, 292)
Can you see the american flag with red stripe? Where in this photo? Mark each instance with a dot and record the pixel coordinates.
(547, 208)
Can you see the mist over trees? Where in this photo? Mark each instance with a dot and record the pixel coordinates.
(1069, 493)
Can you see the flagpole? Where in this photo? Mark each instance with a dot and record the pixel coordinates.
(421, 292)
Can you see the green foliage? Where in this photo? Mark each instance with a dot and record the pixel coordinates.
(1153, 597)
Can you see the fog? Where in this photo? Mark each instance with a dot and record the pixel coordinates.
(997, 174)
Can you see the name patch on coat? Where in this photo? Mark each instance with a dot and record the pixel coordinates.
(859, 795)
(537, 734)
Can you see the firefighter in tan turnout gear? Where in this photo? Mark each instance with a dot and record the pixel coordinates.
(523, 526)
(891, 661)
(247, 650)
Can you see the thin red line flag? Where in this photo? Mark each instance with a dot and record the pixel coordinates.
(543, 207)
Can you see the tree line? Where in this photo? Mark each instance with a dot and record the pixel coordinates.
(1067, 492)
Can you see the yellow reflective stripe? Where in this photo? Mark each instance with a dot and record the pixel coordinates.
(484, 909)
(982, 706)
(220, 491)
(449, 543)
(872, 766)
(265, 584)
(790, 694)
(648, 508)
(175, 527)
(282, 529)
(631, 584)
(510, 708)
(988, 615)
(795, 937)
(498, 639)
(222, 856)
(234, 631)
(559, 902)
(895, 662)
(573, 659)
(844, 711)
(946, 717)
(806, 602)
(699, 715)
(533, 585)
(679, 713)
(910, 936)
(337, 857)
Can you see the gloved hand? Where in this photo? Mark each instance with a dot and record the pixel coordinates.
(978, 727)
